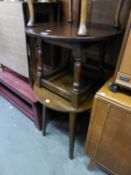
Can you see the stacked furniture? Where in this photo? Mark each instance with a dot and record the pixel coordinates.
(68, 86)
(108, 140)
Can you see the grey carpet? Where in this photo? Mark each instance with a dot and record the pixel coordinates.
(24, 151)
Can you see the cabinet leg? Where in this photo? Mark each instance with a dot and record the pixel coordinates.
(44, 120)
(91, 165)
(72, 127)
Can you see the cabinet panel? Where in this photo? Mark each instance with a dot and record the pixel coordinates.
(95, 129)
(126, 62)
(114, 150)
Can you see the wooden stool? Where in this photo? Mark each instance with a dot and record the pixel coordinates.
(57, 103)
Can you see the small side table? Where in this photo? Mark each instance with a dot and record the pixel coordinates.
(77, 86)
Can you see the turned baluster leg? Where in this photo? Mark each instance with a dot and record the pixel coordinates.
(76, 82)
(70, 18)
(31, 13)
(117, 23)
(72, 127)
(39, 64)
(83, 18)
(44, 119)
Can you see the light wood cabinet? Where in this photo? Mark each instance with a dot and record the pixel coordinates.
(109, 135)
(122, 75)
(126, 61)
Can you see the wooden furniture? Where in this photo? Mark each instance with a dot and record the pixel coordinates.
(99, 12)
(122, 75)
(13, 40)
(88, 6)
(57, 103)
(51, 12)
(17, 90)
(73, 84)
(108, 141)
(82, 31)
(67, 88)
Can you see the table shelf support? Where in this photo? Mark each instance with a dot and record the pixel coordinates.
(76, 82)
(39, 64)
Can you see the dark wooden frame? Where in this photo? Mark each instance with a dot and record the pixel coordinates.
(78, 45)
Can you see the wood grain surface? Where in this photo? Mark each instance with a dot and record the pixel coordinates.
(108, 142)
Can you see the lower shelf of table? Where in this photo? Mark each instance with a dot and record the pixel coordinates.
(55, 102)
(62, 84)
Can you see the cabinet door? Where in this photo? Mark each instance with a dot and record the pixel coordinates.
(98, 116)
(114, 147)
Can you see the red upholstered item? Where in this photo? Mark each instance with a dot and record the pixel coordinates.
(17, 90)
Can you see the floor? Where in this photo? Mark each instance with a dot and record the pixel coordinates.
(24, 151)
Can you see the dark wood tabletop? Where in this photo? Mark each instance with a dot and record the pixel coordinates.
(68, 32)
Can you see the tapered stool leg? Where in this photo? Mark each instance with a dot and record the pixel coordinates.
(72, 127)
(37, 115)
(44, 120)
